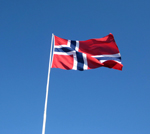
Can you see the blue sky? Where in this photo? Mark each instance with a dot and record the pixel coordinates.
(98, 101)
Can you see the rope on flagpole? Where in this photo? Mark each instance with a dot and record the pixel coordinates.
(47, 87)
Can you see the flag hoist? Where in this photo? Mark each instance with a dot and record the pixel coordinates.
(82, 55)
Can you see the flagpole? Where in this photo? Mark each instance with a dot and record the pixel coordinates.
(47, 87)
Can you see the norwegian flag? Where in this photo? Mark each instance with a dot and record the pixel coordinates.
(84, 55)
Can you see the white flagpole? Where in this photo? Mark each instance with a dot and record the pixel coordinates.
(47, 87)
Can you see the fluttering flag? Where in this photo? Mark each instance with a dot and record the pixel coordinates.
(84, 55)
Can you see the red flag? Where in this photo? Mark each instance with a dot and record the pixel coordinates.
(84, 55)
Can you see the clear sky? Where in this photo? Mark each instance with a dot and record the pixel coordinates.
(98, 101)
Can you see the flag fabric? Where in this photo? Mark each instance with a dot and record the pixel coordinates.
(88, 54)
